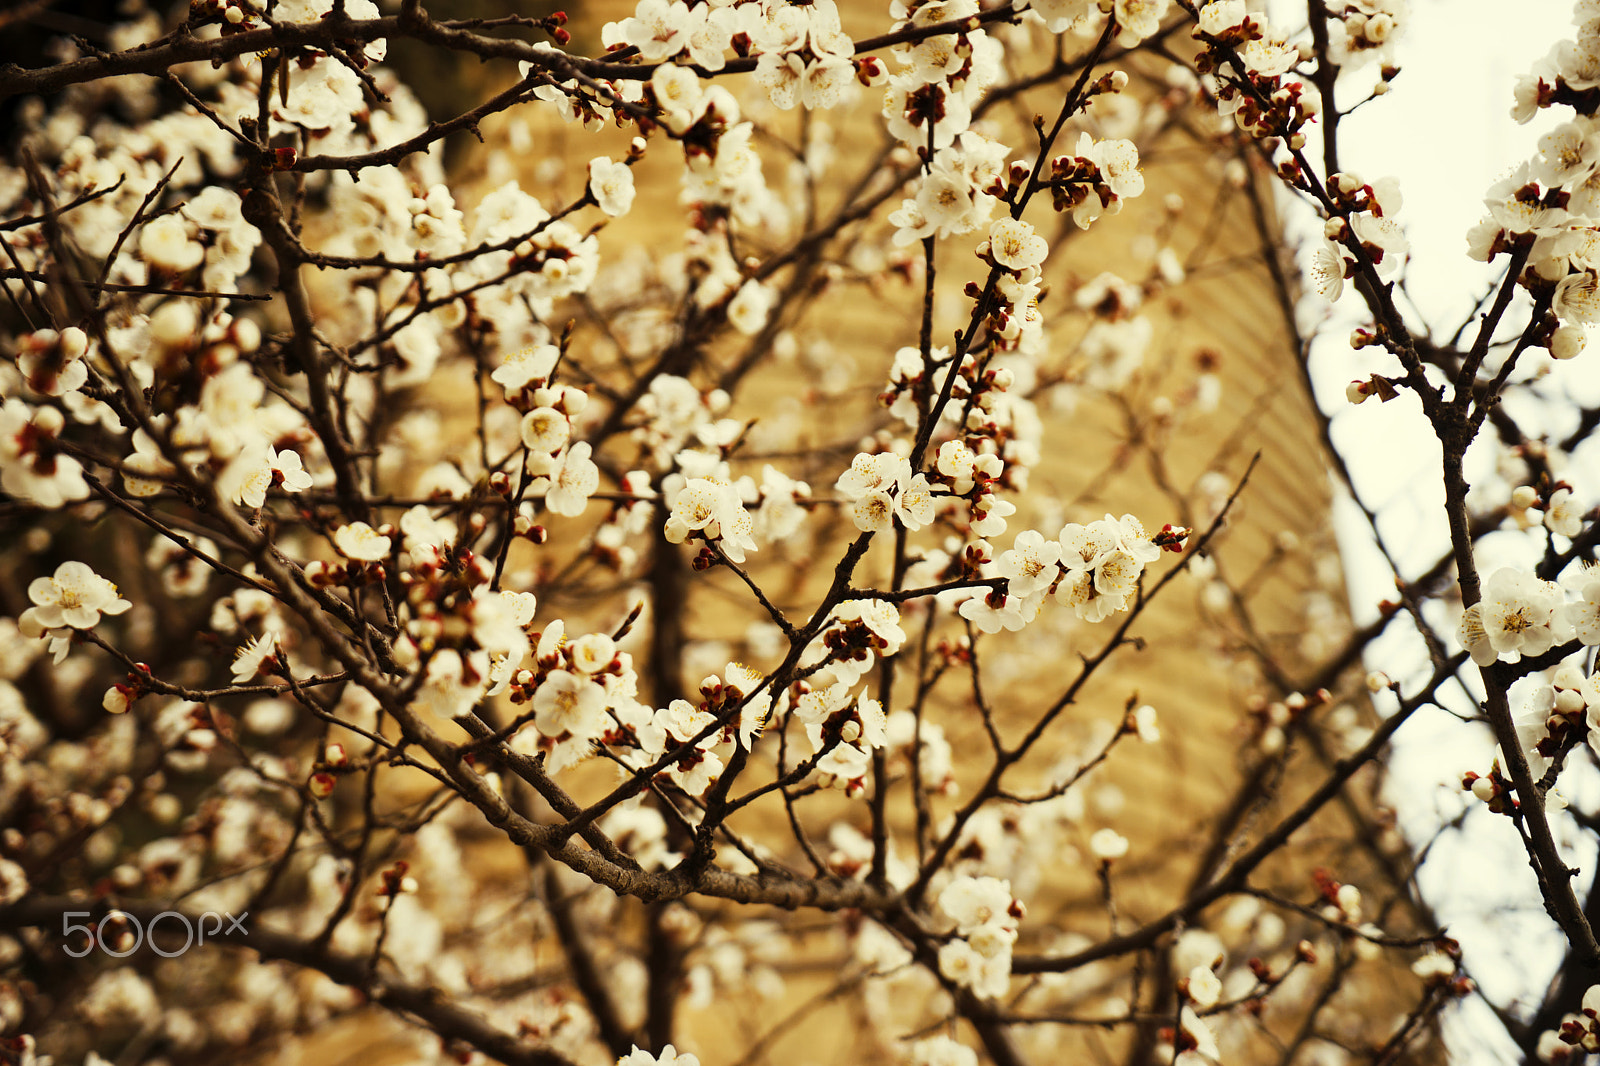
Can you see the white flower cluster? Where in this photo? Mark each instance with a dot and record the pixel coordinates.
(1365, 218)
(712, 510)
(1094, 569)
(1135, 19)
(978, 956)
(843, 734)
(723, 172)
(1564, 713)
(705, 501)
(258, 468)
(929, 102)
(803, 54)
(669, 1055)
(859, 632)
(1246, 68)
(1520, 614)
(51, 362)
(954, 194)
(324, 91)
(1000, 432)
(882, 488)
(1099, 179)
(1577, 1038)
(642, 736)
(1014, 319)
(563, 472)
(469, 650)
(1366, 31)
(1551, 203)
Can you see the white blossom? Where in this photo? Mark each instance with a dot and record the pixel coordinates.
(74, 597)
(360, 542)
(1015, 246)
(611, 185)
(575, 481)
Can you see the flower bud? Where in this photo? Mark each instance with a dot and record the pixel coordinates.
(1568, 340)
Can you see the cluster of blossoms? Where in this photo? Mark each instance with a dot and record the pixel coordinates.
(578, 691)
(1362, 32)
(803, 54)
(1364, 220)
(732, 708)
(1578, 1037)
(32, 465)
(724, 183)
(999, 428)
(956, 193)
(1556, 507)
(843, 726)
(712, 510)
(1247, 70)
(1101, 177)
(1520, 614)
(669, 1056)
(562, 470)
(382, 562)
(929, 102)
(843, 732)
(1017, 253)
(1564, 714)
(965, 176)
(1135, 19)
(1094, 569)
(1549, 205)
(882, 489)
(978, 956)
(705, 501)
